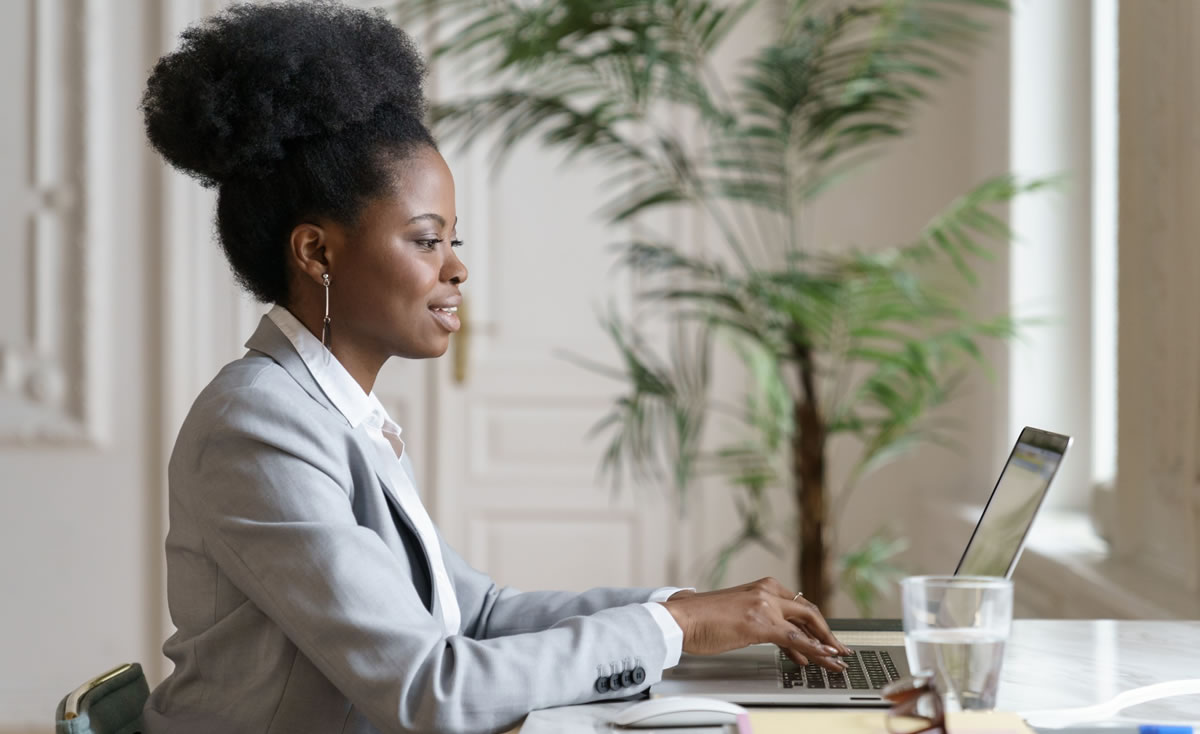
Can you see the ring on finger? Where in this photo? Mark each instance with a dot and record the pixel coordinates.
(798, 595)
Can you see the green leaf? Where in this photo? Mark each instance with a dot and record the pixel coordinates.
(868, 571)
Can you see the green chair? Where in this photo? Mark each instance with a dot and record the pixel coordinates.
(109, 704)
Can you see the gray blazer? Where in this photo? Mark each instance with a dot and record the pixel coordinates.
(291, 583)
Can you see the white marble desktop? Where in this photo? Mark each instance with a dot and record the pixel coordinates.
(1059, 664)
(1047, 665)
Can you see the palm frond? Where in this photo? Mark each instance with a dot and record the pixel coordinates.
(869, 571)
(959, 232)
(754, 510)
(517, 115)
(661, 260)
(655, 428)
(837, 82)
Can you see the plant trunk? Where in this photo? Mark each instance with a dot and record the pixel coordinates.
(808, 475)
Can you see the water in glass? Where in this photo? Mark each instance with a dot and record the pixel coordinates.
(965, 661)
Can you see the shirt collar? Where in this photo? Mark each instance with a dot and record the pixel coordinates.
(333, 378)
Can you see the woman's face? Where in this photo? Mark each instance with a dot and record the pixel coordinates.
(394, 284)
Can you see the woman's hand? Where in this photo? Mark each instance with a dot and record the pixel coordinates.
(761, 611)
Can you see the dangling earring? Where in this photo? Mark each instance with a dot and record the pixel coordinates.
(326, 334)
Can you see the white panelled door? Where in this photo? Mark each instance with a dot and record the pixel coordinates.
(513, 478)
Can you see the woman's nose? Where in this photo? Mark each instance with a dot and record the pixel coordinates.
(453, 270)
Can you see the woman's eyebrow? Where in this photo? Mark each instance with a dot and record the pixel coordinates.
(435, 217)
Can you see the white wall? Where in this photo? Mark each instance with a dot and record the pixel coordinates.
(79, 468)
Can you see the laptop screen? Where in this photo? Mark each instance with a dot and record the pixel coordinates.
(1000, 534)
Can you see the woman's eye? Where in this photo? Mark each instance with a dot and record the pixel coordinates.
(429, 244)
(456, 243)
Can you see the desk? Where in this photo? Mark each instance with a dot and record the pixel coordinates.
(1047, 665)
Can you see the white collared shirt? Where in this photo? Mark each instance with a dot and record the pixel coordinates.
(360, 407)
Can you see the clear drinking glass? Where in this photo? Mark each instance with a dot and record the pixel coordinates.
(955, 628)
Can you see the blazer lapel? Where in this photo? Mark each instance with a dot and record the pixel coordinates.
(269, 340)
(384, 475)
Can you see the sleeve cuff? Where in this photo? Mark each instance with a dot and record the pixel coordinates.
(672, 634)
(665, 593)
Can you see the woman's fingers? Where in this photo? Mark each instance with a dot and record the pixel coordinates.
(800, 646)
(806, 614)
(832, 663)
(794, 656)
(841, 648)
(825, 662)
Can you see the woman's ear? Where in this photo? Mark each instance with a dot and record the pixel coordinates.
(309, 246)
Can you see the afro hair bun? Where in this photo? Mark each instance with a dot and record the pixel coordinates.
(249, 83)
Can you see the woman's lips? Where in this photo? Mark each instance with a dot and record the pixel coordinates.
(447, 317)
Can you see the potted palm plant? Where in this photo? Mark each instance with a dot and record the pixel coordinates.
(836, 341)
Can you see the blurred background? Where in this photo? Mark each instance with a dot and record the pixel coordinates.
(118, 308)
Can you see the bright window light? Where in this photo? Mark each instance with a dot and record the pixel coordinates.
(1104, 240)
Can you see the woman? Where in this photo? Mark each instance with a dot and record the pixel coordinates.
(310, 590)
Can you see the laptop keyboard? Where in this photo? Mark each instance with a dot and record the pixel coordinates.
(866, 670)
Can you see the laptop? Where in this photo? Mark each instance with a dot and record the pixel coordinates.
(763, 675)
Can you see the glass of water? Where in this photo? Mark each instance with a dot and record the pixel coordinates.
(955, 628)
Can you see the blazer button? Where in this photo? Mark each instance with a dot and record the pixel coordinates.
(602, 684)
(639, 675)
(614, 681)
(627, 679)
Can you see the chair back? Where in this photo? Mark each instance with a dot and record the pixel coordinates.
(110, 703)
